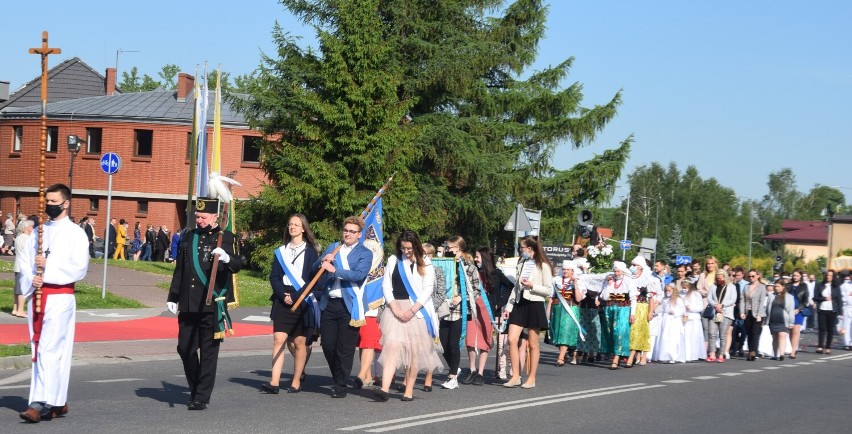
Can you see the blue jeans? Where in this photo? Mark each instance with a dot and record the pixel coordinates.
(146, 253)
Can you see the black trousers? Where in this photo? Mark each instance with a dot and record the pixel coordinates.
(450, 334)
(338, 340)
(753, 328)
(827, 320)
(199, 352)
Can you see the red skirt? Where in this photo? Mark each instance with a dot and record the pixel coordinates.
(479, 330)
(369, 334)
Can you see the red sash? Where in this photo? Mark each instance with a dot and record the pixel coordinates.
(38, 314)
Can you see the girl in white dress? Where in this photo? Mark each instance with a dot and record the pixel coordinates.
(694, 346)
(670, 345)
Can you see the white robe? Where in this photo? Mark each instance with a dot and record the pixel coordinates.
(66, 264)
(694, 345)
(670, 343)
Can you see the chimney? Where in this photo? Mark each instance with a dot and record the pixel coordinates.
(185, 84)
(110, 81)
(4, 91)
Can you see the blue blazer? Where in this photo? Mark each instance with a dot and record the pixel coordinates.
(360, 261)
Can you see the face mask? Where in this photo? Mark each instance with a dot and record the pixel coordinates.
(449, 254)
(632, 269)
(53, 211)
(525, 256)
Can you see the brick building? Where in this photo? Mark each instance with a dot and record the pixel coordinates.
(150, 131)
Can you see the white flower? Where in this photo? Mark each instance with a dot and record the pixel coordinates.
(607, 250)
(593, 251)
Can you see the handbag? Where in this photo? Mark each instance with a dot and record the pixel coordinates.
(443, 310)
(709, 312)
(807, 312)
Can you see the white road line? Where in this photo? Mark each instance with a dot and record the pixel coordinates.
(788, 365)
(820, 360)
(771, 367)
(20, 386)
(752, 370)
(115, 380)
(731, 374)
(20, 376)
(257, 318)
(675, 381)
(705, 377)
(497, 410)
(805, 363)
(834, 357)
(499, 406)
(845, 357)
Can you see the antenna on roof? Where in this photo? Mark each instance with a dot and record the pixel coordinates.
(117, 53)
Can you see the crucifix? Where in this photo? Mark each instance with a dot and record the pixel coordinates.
(44, 51)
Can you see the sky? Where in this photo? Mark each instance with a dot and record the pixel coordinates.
(738, 89)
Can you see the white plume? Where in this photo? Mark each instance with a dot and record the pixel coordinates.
(218, 189)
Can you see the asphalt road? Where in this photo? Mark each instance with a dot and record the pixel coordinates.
(807, 394)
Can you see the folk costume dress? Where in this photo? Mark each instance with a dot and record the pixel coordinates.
(563, 330)
(670, 344)
(589, 319)
(616, 331)
(52, 331)
(643, 294)
(411, 343)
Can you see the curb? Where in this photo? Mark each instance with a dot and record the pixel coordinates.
(15, 362)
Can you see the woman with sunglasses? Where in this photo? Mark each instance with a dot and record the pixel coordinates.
(752, 310)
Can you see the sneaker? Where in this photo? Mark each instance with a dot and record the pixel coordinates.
(469, 378)
(477, 380)
(452, 383)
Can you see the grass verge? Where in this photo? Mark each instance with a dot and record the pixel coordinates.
(14, 350)
(88, 297)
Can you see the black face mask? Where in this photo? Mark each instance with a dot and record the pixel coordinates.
(449, 254)
(53, 211)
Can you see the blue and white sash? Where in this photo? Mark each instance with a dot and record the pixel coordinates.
(400, 265)
(296, 281)
(352, 295)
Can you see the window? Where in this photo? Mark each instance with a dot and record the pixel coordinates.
(251, 149)
(52, 139)
(19, 136)
(93, 140)
(93, 205)
(144, 143)
(142, 207)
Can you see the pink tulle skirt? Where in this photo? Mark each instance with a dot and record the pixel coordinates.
(407, 344)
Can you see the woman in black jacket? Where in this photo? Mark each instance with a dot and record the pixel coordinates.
(496, 284)
(829, 303)
(799, 290)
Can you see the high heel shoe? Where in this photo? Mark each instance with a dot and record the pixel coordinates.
(406, 398)
(294, 389)
(269, 388)
(511, 383)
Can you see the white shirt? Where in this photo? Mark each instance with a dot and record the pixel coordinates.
(826, 305)
(295, 258)
(68, 257)
(335, 291)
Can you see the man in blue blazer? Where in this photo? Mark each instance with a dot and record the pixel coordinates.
(342, 307)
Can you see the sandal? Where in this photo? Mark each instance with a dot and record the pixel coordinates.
(560, 362)
(613, 367)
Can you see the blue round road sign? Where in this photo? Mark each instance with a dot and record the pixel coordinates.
(110, 163)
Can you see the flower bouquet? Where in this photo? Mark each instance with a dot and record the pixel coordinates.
(600, 258)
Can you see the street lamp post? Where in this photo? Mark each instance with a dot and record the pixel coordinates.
(74, 143)
(656, 225)
(626, 220)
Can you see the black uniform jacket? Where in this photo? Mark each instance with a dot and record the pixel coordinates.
(188, 289)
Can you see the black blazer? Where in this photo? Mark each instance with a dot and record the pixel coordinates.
(277, 274)
(836, 297)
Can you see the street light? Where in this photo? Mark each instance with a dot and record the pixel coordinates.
(656, 224)
(74, 143)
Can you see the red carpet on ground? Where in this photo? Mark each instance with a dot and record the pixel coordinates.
(132, 330)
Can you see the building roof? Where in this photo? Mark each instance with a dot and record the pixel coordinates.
(71, 79)
(802, 231)
(157, 106)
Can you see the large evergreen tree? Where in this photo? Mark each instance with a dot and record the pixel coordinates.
(430, 90)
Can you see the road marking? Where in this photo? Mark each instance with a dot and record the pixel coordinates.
(20, 376)
(677, 381)
(752, 370)
(843, 357)
(731, 374)
(107, 315)
(804, 363)
(395, 424)
(820, 361)
(789, 365)
(20, 386)
(115, 380)
(257, 318)
(834, 357)
(771, 367)
(705, 377)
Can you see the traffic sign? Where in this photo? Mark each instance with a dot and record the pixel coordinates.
(110, 163)
(519, 217)
(682, 259)
(626, 244)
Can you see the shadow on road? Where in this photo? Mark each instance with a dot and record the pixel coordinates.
(170, 394)
(16, 403)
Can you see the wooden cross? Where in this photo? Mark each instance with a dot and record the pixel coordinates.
(44, 51)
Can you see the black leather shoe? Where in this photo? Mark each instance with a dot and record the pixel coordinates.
(407, 398)
(381, 395)
(477, 380)
(359, 383)
(196, 405)
(399, 387)
(338, 393)
(270, 389)
(427, 388)
(294, 389)
(469, 378)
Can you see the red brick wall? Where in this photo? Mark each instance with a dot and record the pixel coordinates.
(165, 172)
